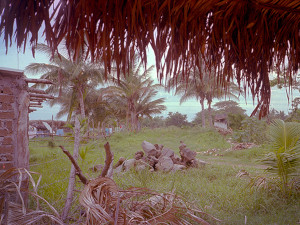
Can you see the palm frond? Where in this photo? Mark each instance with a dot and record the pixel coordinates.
(106, 203)
(284, 158)
(18, 214)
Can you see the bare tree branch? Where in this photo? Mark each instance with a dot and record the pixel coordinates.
(79, 173)
(108, 161)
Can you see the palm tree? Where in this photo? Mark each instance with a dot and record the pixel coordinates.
(218, 91)
(147, 107)
(72, 79)
(132, 90)
(192, 87)
(101, 108)
(201, 86)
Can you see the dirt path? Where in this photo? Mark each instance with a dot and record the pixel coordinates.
(231, 162)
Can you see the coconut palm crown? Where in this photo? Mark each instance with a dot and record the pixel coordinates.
(72, 79)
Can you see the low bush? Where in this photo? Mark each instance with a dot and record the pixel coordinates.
(252, 130)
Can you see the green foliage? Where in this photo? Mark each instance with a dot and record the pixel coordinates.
(284, 156)
(85, 149)
(198, 117)
(99, 110)
(294, 116)
(155, 122)
(83, 128)
(275, 114)
(235, 120)
(215, 189)
(235, 113)
(133, 93)
(51, 144)
(73, 79)
(176, 119)
(202, 86)
(229, 107)
(252, 130)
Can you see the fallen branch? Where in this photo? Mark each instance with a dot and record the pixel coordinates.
(108, 161)
(79, 173)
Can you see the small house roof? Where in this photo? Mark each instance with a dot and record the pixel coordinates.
(39, 123)
(220, 117)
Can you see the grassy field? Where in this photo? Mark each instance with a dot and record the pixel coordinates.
(215, 189)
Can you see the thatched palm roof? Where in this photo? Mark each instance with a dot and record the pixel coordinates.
(242, 39)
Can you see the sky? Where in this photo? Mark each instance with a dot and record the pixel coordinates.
(19, 60)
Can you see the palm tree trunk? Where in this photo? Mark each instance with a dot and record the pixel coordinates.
(203, 112)
(99, 130)
(138, 124)
(132, 121)
(81, 103)
(72, 177)
(88, 128)
(93, 130)
(209, 113)
(71, 186)
(103, 129)
(127, 116)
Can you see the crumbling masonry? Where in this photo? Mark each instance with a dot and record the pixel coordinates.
(14, 105)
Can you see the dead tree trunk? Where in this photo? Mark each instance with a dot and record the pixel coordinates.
(73, 171)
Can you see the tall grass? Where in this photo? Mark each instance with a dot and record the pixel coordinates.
(215, 188)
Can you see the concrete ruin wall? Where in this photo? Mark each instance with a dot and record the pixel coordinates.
(14, 103)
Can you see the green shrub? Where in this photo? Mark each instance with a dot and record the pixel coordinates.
(235, 120)
(51, 144)
(176, 119)
(252, 130)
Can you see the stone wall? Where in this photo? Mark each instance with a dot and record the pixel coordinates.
(14, 103)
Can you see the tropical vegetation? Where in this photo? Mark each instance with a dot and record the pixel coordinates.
(284, 156)
(72, 79)
(133, 93)
(202, 86)
(216, 189)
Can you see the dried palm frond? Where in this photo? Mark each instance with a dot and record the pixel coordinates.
(14, 209)
(105, 203)
(237, 39)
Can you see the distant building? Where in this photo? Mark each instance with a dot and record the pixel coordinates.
(39, 127)
(220, 121)
(44, 128)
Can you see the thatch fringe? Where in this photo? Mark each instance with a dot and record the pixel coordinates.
(241, 39)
